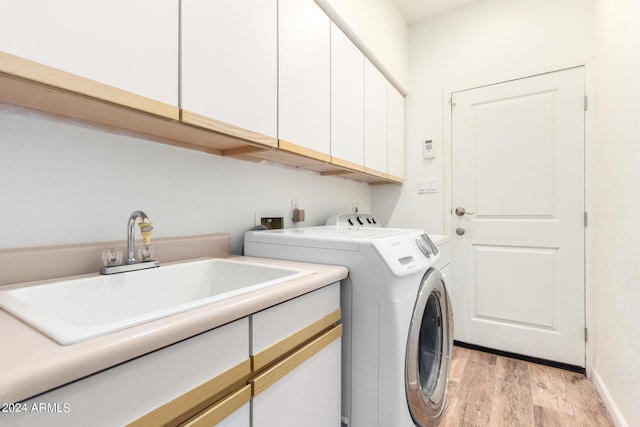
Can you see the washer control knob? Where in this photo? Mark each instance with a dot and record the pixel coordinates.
(359, 220)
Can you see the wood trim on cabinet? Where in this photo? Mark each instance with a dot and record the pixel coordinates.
(269, 377)
(196, 119)
(35, 86)
(303, 151)
(194, 401)
(221, 410)
(109, 116)
(395, 179)
(43, 74)
(375, 172)
(346, 164)
(277, 350)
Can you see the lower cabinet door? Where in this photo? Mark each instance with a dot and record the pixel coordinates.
(303, 389)
(232, 411)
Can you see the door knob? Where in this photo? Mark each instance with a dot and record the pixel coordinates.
(460, 211)
(460, 231)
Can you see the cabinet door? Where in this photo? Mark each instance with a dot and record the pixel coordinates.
(347, 101)
(304, 78)
(375, 121)
(395, 138)
(279, 329)
(232, 411)
(128, 45)
(229, 64)
(303, 389)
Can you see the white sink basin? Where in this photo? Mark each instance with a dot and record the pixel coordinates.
(76, 309)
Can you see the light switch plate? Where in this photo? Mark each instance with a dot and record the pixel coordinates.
(427, 186)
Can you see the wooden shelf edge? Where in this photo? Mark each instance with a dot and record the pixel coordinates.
(303, 151)
(395, 179)
(346, 165)
(59, 102)
(375, 172)
(58, 79)
(27, 84)
(196, 119)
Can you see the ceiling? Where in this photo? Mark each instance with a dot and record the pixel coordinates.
(418, 10)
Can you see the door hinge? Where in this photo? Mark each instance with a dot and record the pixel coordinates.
(586, 103)
(585, 218)
(585, 334)
(452, 100)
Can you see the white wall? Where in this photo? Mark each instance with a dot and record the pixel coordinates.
(378, 24)
(61, 183)
(485, 42)
(617, 358)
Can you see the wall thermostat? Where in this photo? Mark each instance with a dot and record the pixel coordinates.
(427, 150)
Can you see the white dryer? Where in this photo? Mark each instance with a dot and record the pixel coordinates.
(396, 314)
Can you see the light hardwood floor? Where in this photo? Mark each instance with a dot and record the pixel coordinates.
(490, 390)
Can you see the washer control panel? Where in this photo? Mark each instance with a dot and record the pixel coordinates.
(407, 253)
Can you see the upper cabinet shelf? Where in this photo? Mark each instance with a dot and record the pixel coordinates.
(253, 79)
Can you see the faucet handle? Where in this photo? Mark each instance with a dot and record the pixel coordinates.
(146, 252)
(112, 256)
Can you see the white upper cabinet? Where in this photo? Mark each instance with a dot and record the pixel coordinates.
(304, 79)
(230, 64)
(130, 45)
(347, 101)
(395, 132)
(375, 121)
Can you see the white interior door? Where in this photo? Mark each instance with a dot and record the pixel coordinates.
(518, 171)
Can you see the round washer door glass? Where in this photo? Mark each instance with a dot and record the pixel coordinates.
(428, 351)
(430, 346)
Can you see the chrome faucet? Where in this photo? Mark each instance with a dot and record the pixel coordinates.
(131, 264)
(131, 256)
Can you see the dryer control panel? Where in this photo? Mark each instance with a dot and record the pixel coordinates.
(408, 253)
(353, 220)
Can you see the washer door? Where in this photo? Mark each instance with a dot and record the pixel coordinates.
(429, 348)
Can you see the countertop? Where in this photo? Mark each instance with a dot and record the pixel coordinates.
(32, 363)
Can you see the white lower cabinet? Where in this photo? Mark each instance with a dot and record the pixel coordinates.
(165, 387)
(308, 395)
(300, 385)
(278, 367)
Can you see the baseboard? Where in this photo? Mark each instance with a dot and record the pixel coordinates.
(606, 397)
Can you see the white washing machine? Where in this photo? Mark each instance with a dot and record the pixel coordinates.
(396, 314)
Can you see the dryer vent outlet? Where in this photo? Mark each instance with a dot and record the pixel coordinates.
(272, 223)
